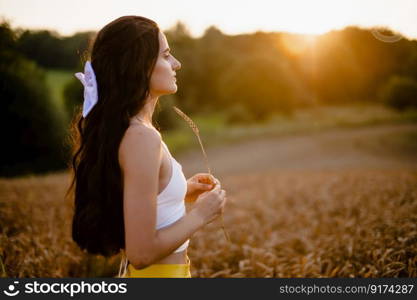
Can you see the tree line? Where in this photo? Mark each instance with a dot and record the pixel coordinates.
(248, 77)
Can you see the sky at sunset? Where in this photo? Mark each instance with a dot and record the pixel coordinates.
(232, 17)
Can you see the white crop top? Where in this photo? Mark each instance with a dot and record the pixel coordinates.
(170, 202)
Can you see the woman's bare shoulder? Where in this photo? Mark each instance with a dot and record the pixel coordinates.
(135, 130)
(139, 143)
(135, 126)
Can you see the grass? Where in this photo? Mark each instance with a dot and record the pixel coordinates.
(56, 81)
(215, 130)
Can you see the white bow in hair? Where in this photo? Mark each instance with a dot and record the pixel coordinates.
(88, 79)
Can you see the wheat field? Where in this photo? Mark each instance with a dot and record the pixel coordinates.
(339, 203)
(293, 223)
(314, 224)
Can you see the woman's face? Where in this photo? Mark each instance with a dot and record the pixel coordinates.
(163, 79)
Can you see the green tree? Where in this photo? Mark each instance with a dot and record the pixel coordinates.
(400, 92)
(31, 128)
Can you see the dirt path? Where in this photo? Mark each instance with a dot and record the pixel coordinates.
(352, 148)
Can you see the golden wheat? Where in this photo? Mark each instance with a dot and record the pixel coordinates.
(197, 133)
(357, 223)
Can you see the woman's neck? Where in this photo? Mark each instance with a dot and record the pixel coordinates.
(146, 113)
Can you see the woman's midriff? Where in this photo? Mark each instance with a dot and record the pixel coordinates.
(174, 258)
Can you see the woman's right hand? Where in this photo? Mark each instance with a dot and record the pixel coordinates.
(210, 205)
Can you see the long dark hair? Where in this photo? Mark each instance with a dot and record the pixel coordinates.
(123, 57)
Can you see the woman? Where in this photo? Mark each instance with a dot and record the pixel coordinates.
(129, 191)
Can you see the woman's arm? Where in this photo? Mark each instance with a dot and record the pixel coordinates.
(140, 157)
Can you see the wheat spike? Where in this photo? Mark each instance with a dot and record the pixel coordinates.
(197, 133)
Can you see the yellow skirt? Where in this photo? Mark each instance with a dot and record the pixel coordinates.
(160, 271)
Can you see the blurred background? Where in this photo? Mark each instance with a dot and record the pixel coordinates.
(307, 110)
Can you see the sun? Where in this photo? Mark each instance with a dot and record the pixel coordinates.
(309, 19)
(297, 44)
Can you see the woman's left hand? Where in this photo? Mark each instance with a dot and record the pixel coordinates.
(198, 184)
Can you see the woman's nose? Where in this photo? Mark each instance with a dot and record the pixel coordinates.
(177, 65)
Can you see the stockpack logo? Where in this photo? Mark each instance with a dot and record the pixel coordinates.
(69, 288)
(11, 289)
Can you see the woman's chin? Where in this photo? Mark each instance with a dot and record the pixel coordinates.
(170, 90)
(173, 89)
